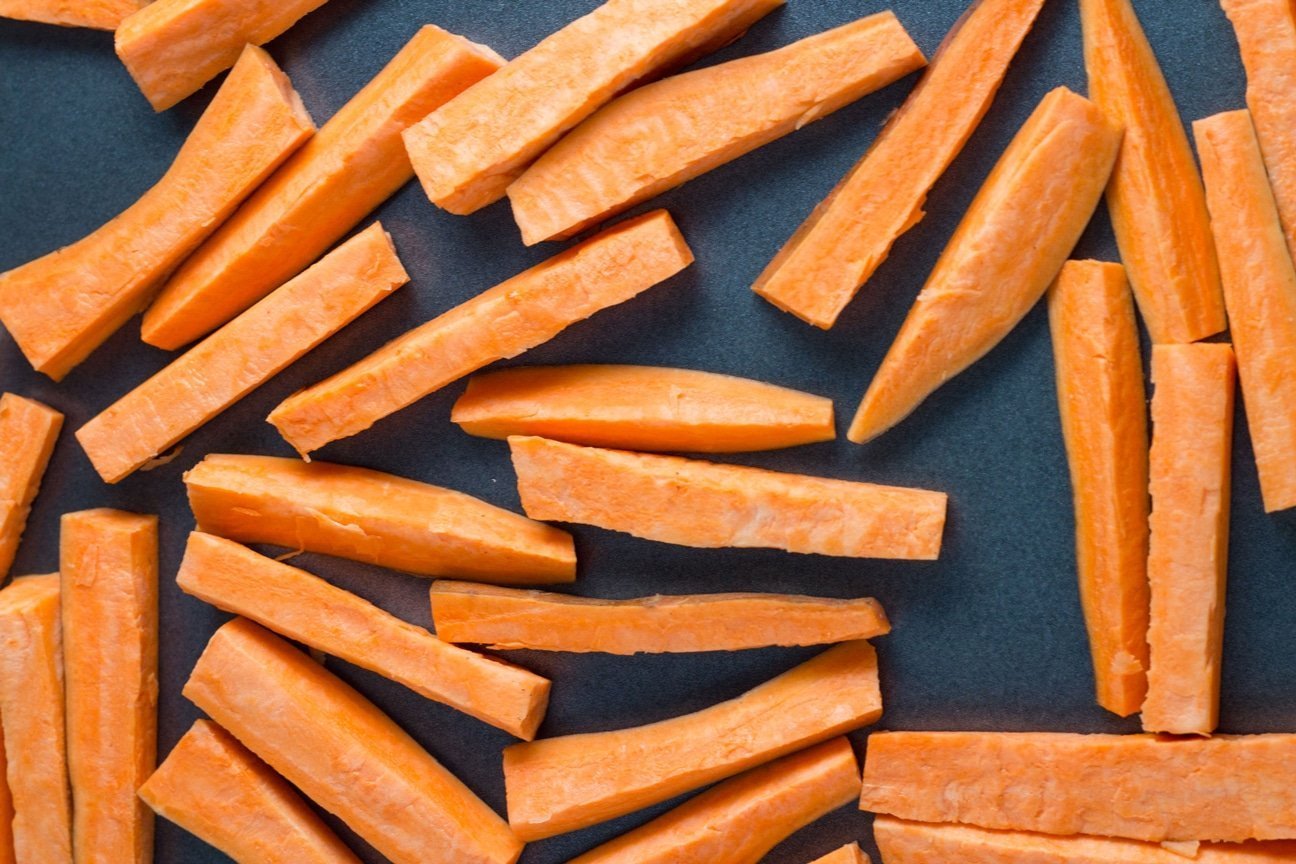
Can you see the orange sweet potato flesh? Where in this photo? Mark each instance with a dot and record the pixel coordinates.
(31, 713)
(29, 430)
(707, 505)
(642, 408)
(851, 853)
(1192, 438)
(668, 132)
(1009, 247)
(309, 610)
(743, 818)
(1260, 293)
(61, 307)
(509, 618)
(514, 316)
(243, 354)
(1143, 787)
(342, 752)
(95, 14)
(216, 789)
(1155, 196)
(563, 784)
(108, 561)
(848, 236)
(354, 163)
(468, 151)
(373, 517)
(6, 809)
(1104, 423)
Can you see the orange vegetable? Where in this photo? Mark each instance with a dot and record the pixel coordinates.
(309, 610)
(214, 788)
(1260, 292)
(563, 784)
(468, 151)
(642, 408)
(742, 819)
(1010, 245)
(1104, 423)
(507, 619)
(31, 713)
(1227, 788)
(96, 14)
(666, 133)
(108, 561)
(355, 163)
(6, 810)
(693, 503)
(850, 233)
(1192, 438)
(1155, 195)
(848, 854)
(341, 751)
(518, 314)
(373, 517)
(243, 354)
(61, 307)
(29, 430)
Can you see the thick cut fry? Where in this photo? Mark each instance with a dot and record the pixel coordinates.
(659, 136)
(642, 408)
(742, 819)
(468, 151)
(850, 233)
(355, 162)
(373, 517)
(29, 431)
(704, 504)
(95, 14)
(563, 784)
(1155, 195)
(1010, 245)
(1227, 788)
(31, 713)
(1104, 423)
(514, 316)
(6, 808)
(1192, 439)
(1260, 293)
(217, 790)
(848, 854)
(61, 307)
(243, 354)
(339, 749)
(508, 618)
(108, 561)
(309, 610)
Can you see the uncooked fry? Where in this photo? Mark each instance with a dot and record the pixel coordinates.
(848, 854)
(95, 14)
(29, 431)
(6, 808)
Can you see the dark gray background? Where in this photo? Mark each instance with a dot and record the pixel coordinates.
(989, 637)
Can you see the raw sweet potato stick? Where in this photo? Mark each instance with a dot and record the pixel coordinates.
(29, 431)
(668, 132)
(6, 808)
(95, 14)
(849, 235)
(61, 307)
(848, 854)
(1010, 245)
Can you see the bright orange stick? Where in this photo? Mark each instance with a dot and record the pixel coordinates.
(29, 431)
(95, 14)
(848, 854)
(6, 808)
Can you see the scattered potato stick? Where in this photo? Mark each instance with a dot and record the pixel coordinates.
(848, 854)
(61, 307)
(6, 809)
(704, 504)
(508, 619)
(341, 751)
(354, 163)
(514, 316)
(743, 818)
(1155, 195)
(563, 784)
(1260, 293)
(108, 562)
(467, 152)
(668, 132)
(1104, 423)
(95, 14)
(29, 430)
(373, 517)
(243, 354)
(1010, 245)
(849, 235)
(642, 408)
(217, 790)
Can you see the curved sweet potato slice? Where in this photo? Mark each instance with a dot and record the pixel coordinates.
(29, 431)
(95, 14)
